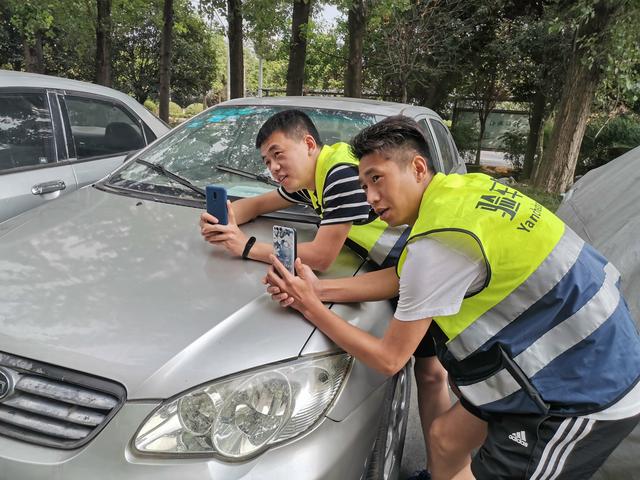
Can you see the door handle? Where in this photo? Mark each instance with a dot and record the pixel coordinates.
(48, 187)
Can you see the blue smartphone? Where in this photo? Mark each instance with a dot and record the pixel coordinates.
(285, 246)
(217, 203)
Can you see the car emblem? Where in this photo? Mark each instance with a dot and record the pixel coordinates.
(6, 384)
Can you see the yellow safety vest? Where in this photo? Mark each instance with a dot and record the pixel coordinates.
(377, 238)
(550, 314)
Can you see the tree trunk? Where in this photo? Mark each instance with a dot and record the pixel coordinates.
(298, 46)
(165, 60)
(558, 164)
(479, 147)
(357, 28)
(236, 54)
(103, 43)
(33, 56)
(535, 123)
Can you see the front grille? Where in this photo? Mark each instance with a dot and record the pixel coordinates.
(53, 406)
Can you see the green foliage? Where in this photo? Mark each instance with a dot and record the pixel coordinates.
(514, 143)
(550, 200)
(193, 109)
(175, 110)
(606, 139)
(465, 135)
(151, 106)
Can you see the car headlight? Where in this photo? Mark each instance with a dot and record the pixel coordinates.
(241, 416)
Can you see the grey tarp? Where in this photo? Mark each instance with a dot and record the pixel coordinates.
(604, 208)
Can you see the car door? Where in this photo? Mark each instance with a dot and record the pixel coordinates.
(33, 170)
(103, 132)
(451, 160)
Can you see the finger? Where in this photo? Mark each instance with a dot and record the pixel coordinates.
(216, 228)
(280, 268)
(273, 290)
(231, 216)
(303, 270)
(208, 218)
(287, 302)
(274, 279)
(280, 297)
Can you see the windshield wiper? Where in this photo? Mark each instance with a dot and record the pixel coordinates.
(260, 177)
(176, 178)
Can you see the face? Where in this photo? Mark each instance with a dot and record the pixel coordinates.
(394, 188)
(290, 161)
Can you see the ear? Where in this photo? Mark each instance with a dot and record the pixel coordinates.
(420, 167)
(310, 142)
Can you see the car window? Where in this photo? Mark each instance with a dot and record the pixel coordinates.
(226, 136)
(101, 128)
(432, 146)
(446, 149)
(26, 134)
(148, 133)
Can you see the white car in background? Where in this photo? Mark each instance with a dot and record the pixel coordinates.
(58, 135)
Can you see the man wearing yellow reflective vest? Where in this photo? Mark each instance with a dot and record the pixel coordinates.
(536, 337)
(326, 178)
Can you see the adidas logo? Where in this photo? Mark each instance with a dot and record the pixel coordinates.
(519, 437)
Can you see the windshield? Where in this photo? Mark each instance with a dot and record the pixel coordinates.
(225, 136)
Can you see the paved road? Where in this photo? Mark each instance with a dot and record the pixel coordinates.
(414, 455)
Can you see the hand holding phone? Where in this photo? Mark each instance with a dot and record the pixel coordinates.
(285, 243)
(217, 203)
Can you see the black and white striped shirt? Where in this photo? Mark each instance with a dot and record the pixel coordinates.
(343, 199)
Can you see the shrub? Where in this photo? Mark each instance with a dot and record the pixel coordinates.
(514, 143)
(605, 140)
(175, 110)
(151, 106)
(193, 109)
(466, 137)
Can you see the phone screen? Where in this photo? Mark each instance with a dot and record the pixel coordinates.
(285, 246)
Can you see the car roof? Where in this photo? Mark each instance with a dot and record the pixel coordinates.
(376, 107)
(10, 78)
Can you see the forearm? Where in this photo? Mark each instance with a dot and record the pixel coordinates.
(261, 251)
(365, 347)
(378, 285)
(318, 257)
(244, 210)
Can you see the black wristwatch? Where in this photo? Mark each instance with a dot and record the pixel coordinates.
(247, 247)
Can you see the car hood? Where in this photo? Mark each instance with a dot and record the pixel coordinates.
(127, 289)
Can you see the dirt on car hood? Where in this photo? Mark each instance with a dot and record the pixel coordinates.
(126, 289)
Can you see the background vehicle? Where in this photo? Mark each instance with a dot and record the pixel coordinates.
(147, 353)
(57, 135)
(602, 207)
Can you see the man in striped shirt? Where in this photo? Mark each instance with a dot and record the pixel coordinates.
(291, 148)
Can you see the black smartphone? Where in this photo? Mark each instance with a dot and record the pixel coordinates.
(217, 203)
(285, 246)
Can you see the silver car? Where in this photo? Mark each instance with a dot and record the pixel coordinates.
(130, 348)
(58, 135)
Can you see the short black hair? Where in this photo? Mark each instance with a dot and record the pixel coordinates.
(396, 132)
(293, 123)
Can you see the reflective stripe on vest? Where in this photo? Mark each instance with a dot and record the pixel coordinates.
(549, 332)
(552, 344)
(548, 274)
(376, 237)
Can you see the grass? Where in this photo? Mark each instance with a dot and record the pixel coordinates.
(550, 200)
